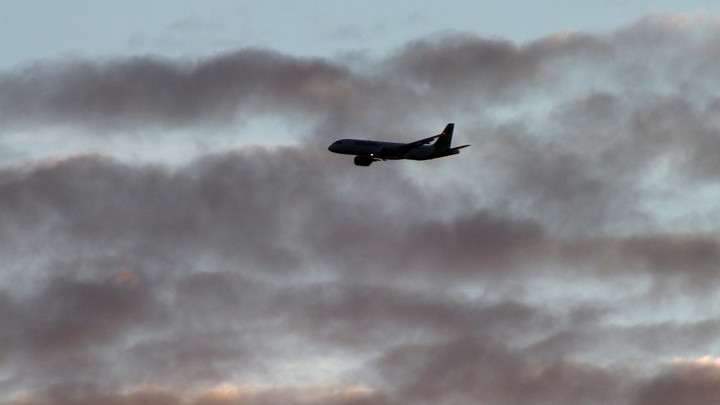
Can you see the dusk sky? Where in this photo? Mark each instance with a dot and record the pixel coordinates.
(174, 231)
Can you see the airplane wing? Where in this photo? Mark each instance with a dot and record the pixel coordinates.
(447, 131)
(415, 144)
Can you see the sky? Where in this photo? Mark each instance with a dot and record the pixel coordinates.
(174, 231)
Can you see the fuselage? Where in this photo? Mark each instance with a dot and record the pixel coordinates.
(384, 150)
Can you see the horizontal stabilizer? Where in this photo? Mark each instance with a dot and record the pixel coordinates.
(457, 148)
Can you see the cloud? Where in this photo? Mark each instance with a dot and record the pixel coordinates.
(143, 91)
(196, 257)
(467, 370)
(687, 382)
(225, 394)
(223, 205)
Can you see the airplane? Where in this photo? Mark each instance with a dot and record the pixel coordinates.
(367, 152)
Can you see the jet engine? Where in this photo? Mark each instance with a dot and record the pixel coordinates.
(363, 160)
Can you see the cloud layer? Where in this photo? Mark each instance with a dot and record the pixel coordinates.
(569, 256)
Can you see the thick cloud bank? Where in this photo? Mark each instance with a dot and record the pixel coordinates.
(570, 256)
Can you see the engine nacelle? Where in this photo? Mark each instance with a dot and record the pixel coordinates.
(363, 160)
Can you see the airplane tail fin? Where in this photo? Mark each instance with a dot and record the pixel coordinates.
(445, 139)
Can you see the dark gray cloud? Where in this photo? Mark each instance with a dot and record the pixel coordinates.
(468, 370)
(224, 206)
(229, 265)
(686, 382)
(151, 91)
